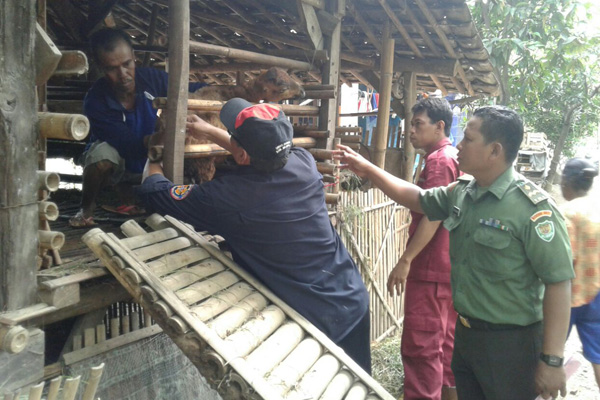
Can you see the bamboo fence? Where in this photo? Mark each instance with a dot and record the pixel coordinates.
(375, 229)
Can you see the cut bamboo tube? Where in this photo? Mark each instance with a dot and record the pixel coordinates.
(63, 126)
(235, 387)
(162, 309)
(131, 276)
(332, 198)
(54, 388)
(178, 325)
(319, 94)
(131, 228)
(47, 211)
(253, 332)
(135, 320)
(100, 333)
(52, 240)
(344, 129)
(89, 337)
(92, 382)
(147, 239)
(221, 301)
(326, 168)
(339, 386)
(70, 388)
(48, 181)
(187, 276)
(157, 222)
(158, 249)
(147, 319)
(115, 327)
(287, 373)
(35, 392)
(118, 261)
(106, 248)
(72, 62)
(270, 353)
(231, 319)
(148, 294)
(172, 262)
(201, 290)
(358, 391)
(321, 154)
(315, 381)
(213, 366)
(13, 339)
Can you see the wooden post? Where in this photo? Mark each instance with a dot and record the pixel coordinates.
(385, 94)
(331, 76)
(18, 156)
(179, 67)
(410, 98)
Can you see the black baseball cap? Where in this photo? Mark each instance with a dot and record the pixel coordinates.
(261, 129)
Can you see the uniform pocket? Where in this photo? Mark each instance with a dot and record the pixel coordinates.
(495, 243)
(491, 237)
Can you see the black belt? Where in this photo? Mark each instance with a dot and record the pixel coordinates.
(478, 324)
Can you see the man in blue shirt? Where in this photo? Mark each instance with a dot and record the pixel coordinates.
(122, 119)
(271, 211)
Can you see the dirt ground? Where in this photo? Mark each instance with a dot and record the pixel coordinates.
(582, 385)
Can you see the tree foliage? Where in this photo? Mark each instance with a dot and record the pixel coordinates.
(546, 63)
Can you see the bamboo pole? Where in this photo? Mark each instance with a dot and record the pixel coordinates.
(13, 339)
(215, 106)
(315, 381)
(92, 382)
(63, 126)
(158, 249)
(54, 388)
(222, 301)
(187, 276)
(358, 391)
(141, 238)
(295, 365)
(387, 64)
(339, 386)
(172, 262)
(35, 392)
(228, 52)
(236, 315)
(131, 228)
(70, 388)
(201, 290)
(273, 350)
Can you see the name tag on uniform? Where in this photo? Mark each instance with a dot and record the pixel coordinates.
(456, 211)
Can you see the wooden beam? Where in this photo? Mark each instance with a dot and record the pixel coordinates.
(410, 98)
(392, 16)
(383, 112)
(151, 32)
(436, 66)
(328, 112)
(364, 26)
(98, 10)
(419, 27)
(211, 49)
(19, 160)
(439, 84)
(311, 24)
(179, 71)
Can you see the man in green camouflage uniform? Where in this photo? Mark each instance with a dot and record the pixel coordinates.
(511, 263)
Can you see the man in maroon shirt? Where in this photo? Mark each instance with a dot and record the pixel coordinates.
(424, 268)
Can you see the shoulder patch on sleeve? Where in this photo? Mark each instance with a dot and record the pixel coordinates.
(540, 214)
(533, 193)
(465, 178)
(180, 192)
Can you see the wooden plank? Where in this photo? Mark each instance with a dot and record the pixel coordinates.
(110, 344)
(311, 24)
(18, 316)
(179, 70)
(60, 296)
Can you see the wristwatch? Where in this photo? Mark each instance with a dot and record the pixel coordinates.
(553, 361)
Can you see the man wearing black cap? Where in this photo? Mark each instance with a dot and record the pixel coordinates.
(271, 211)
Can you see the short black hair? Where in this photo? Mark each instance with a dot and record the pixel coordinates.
(579, 174)
(437, 110)
(501, 124)
(106, 40)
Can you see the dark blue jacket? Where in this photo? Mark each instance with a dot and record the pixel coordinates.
(279, 230)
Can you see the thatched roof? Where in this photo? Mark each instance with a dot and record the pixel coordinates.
(430, 36)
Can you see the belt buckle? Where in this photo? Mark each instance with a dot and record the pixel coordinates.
(464, 321)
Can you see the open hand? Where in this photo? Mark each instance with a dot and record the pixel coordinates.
(351, 160)
(549, 381)
(397, 278)
(197, 127)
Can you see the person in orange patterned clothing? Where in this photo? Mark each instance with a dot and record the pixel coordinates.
(583, 222)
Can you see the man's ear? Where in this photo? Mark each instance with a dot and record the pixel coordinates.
(497, 150)
(240, 155)
(441, 125)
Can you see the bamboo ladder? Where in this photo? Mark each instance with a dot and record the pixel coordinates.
(246, 342)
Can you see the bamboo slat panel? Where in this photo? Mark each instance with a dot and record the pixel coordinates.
(375, 230)
(246, 342)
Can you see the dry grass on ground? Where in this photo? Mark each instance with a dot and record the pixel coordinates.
(387, 365)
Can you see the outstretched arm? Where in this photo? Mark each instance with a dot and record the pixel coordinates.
(402, 192)
(199, 128)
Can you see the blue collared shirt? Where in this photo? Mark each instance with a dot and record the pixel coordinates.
(125, 129)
